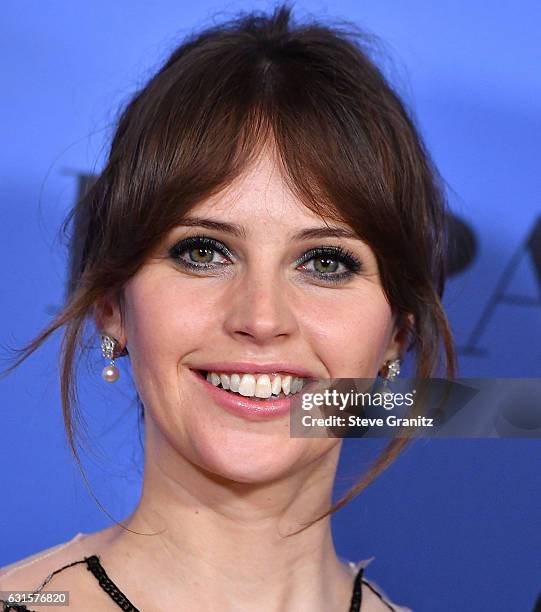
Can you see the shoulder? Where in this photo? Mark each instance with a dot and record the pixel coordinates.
(30, 573)
(61, 567)
(79, 546)
(376, 600)
(38, 562)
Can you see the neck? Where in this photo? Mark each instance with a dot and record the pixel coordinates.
(224, 541)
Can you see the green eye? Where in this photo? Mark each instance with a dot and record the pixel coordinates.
(330, 264)
(325, 265)
(201, 255)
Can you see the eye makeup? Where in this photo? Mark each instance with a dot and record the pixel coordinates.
(197, 253)
(198, 245)
(338, 255)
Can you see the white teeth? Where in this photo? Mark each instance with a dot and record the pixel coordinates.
(286, 385)
(234, 382)
(276, 385)
(247, 385)
(263, 386)
(258, 385)
(225, 380)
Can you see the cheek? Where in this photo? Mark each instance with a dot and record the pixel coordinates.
(165, 316)
(351, 330)
(159, 326)
(167, 321)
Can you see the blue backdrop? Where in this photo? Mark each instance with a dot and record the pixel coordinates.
(454, 525)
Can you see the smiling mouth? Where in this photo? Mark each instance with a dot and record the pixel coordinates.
(244, 385)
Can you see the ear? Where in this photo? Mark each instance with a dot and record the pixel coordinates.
(396, 349)
(108, 316)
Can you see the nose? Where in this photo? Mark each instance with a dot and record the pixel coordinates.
(260, 309)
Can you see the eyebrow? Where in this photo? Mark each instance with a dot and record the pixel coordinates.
(239, 232)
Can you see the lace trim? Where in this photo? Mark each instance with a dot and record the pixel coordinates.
(21, 607)
(93, 565)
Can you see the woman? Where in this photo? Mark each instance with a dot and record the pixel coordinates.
(267, 215)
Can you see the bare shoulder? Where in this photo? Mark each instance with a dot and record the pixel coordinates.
(62, 568)
(36, 564)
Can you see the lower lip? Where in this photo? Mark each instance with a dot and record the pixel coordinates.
(254, 410)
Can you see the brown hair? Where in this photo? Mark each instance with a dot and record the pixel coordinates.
(348, 149)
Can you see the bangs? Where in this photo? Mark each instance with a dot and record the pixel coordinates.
(190, 136)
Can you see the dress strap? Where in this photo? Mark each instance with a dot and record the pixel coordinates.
(357, 595)
(93, 565)
(8, 607)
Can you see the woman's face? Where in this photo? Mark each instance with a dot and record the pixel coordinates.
(258, 296)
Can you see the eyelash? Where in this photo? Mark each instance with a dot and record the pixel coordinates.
(329, 252)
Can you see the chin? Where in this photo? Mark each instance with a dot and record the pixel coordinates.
(252, 458)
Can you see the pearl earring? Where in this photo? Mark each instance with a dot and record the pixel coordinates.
(391, 369)
(110, 349)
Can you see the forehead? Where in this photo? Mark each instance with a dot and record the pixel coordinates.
(259, 193)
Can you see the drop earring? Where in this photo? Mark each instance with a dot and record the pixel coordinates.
(110, 349)
(391, 369)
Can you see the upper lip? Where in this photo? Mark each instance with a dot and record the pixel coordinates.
(254, 368)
